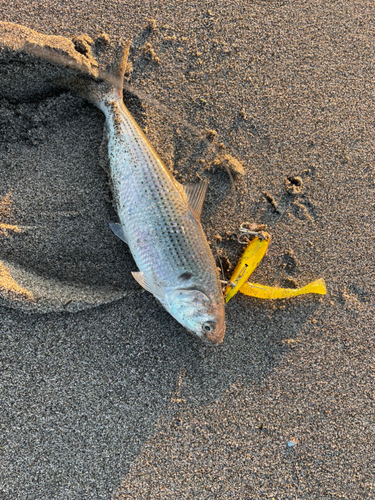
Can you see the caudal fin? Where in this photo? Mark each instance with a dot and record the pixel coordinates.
(93, 85)
(110, 81)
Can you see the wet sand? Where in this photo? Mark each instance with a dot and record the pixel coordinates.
(104, 395)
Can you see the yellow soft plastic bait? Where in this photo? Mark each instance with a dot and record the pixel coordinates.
(249, 261)
(270, 292)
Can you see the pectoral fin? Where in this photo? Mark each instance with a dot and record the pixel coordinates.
(147, 281)
(195, 194)
(119, 231)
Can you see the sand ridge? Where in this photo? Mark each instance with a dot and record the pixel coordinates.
(10, 287)
(5, 212)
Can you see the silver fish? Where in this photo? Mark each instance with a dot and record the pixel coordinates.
(159, 218)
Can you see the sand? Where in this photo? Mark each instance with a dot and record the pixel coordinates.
(103, 394)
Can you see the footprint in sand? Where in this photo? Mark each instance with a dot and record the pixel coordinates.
(22, 288)
(59, 255)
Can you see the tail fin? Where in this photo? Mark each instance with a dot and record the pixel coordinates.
(96, 89)
(92, 87)
(117, 69)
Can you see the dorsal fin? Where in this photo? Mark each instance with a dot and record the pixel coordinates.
(195, 194)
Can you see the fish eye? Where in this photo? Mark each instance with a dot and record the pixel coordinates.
(208, 327)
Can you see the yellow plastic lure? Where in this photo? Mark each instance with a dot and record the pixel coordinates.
(270, 292)
(249, 261)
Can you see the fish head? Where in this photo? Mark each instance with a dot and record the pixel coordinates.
(198, 312)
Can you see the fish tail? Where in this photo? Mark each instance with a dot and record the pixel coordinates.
(108, 82)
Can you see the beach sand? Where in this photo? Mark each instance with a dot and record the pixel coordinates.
(103, 394)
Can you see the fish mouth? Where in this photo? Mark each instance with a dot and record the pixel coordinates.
(212, 339)
(216, 337)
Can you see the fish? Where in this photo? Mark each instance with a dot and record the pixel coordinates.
(159, 218)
